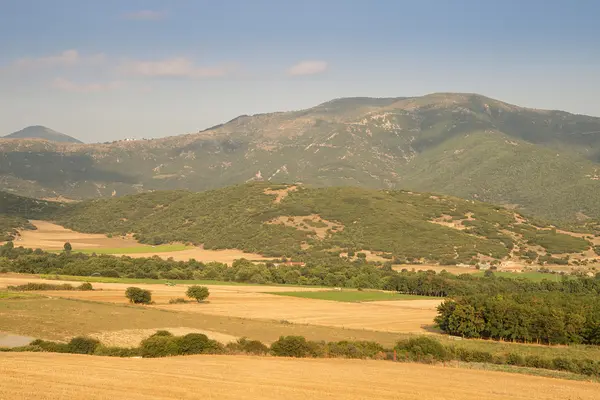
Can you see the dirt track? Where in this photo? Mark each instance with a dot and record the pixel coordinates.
(62, 376)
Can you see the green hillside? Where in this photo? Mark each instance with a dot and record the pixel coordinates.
(15, 212)
(544, 163)
(311, 223)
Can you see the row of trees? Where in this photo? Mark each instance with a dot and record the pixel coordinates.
(540, 317)
(334, 272)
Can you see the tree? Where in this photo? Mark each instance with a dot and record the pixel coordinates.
(68, 247)
(138, 296)
(197, 292)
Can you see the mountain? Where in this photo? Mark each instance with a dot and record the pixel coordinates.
(317, 223)
(543, 163)
(41, 132)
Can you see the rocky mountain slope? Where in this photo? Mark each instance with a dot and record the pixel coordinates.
(41, 132)
(545, 163)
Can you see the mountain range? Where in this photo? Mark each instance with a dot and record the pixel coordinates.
(543, 163)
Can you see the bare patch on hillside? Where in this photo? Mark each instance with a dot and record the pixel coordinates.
(309, 223)
(449, 222)
(281, 193)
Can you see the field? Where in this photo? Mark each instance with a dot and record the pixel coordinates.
(353, 296)
(255, 303)
(163, 248)
(52, 237)
(57, 376)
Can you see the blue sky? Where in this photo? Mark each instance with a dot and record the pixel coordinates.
(103, 70)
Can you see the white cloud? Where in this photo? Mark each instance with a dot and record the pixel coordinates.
(308, 68)
(174, 67)
(67, 58)
(70, 86)
(145, 15)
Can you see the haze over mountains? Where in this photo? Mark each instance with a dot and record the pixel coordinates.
(41, 132)
(543, 162)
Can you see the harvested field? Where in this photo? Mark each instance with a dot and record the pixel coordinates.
(254, 302)
(49, 236)
(59, 376)
(61, 319)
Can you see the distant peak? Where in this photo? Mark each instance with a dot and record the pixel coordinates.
(42, 132)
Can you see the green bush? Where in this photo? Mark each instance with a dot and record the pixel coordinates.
(193, 343)
(249, 346)
(31, 286)
(361, 349)
(85, 286)
(162, 333)
(116, 351)
(199, 293)
(159, 346)
(515, 359)
(82, 345)
(51, 347)
(291, 346)
(420, 347)
(138, 296)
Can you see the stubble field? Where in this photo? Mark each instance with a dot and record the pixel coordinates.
(60, 376)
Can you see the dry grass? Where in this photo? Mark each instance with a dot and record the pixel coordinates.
(60, 376)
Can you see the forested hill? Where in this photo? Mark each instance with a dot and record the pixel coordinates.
(310, 223)
(544, 163)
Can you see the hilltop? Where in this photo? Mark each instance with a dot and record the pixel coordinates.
(307, 223)
(41, 132)
(542, 163)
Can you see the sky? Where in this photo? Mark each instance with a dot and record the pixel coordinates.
(114, 69)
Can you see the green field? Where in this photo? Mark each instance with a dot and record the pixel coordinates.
(353, 296)
(534, 276)
(163, 248)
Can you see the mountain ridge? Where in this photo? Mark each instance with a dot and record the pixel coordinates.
(544, 162)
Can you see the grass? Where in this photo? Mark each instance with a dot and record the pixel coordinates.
(353, 296)
(163, 248)
(533, 276)
(102, 279)
(16, 295)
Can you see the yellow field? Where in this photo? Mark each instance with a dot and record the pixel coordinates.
(49, 236)
(253, 303)
(67, 376)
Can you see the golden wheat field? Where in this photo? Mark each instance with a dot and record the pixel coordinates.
(67, 376)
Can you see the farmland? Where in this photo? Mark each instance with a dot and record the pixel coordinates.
(352, 296)
(23, 375)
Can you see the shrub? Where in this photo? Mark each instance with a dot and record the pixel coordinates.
(249, 346)
(82, 345)
(515, 359)
(138, 296)
(291, 346)
(419, 347)
(116, 351)
(177, 300)
(51, 347)
(85, 286)
(362, 349)
(197, 292)
(159, 346)
(41, 286)
(162, 333)
(197, 343)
